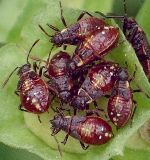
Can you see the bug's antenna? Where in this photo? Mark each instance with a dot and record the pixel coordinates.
(125, 8)
(44, 31)
(31, 50)
(6, 81)
(49, 56)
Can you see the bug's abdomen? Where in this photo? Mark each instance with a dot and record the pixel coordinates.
(95, 131)
(90, 25)
(35, 96)
(120, 109)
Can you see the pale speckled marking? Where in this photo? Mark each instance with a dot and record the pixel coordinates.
(64, 30)
(100, 137)
(110, 135)
(127, 84)
(103, 32)
(27, 85)
(115, 123)
(118, 115)
(99, 80)
(112, 67)
(35, 102)
(106, 134)
(80, 63)
(114, 119)
(90, 99)
(106, 27)
(86, 130)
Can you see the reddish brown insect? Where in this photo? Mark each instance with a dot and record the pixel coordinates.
(120, 104)
(87, 129)
(33, 91)
(137, 37)
(77, 32)
(95, 47)
(99, 81)
(60, 80)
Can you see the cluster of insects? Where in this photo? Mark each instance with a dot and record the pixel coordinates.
(80, 80)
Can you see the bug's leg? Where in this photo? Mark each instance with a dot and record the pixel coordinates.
(55, 131)
(74, 111)
(107, 96)
(65, 139)
(64, 47)
(39, 118)
(17, 92)
(21, 109)
(82, 14)
(43, 30)
(83, 146)
(98, 109)
(140, 91)
(41, 71)
(45, 74)
(67, 135)
(62, 17)
(35, 66)
(133, 75)
(135, 107)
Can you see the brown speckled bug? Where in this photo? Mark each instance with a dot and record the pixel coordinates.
(33, 91)
(60, 80)
(77, 32)
(95, 47)
(91, 130)
(137, 37)
(121, 104)
(98, 82)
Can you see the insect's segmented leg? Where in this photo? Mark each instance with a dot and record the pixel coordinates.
(83, 146)
(55, 131)
(20, 108)
(39, 118)
(17, 92)
(41, 71)
(35, 66)
(133, 76)
(135, 106)
(65, 139)
(82, 14)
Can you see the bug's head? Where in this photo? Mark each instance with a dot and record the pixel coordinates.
(57, 121)
(24, 69)
(57, 40)
(78, 103)
(65, 96)
(123, 74)
(128, 25)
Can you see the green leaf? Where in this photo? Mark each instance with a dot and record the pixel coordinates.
(24, 130)
(16, 154)
(15, 16)
(133, 154)
(143, 18)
